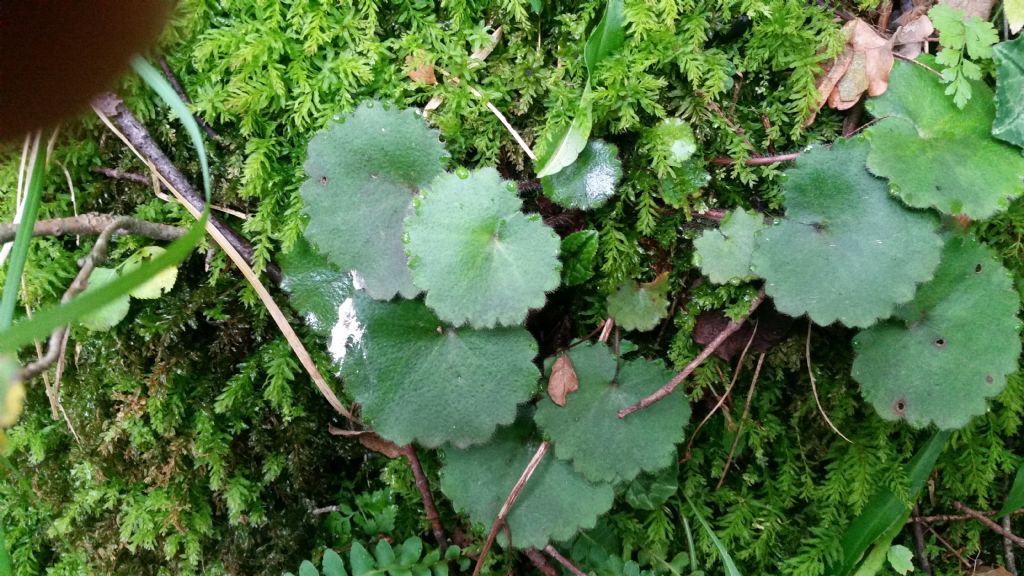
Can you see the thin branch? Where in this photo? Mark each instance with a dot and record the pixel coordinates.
(949, 547)
(758, 160)
(551, 551)
(814, 386)
(667, 389)
(113, 108)
(512, 496)
(115, 174)
(988, 522)
(922, 552)
(725, 395)
(743, 418)
(540, 562)
(428, 501)
(92, 224)
(921, 64)
(1009, 558)
(324, 510)
(173, 79)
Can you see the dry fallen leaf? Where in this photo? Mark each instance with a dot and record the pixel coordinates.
(863, 66)
(991, 571)
(980, 8)
(911, 38)
(563, 380)
(424, 73)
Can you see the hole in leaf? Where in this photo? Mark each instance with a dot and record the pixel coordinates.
(977, 269)
(323, 180)
(989, 379)
(900, 407)
(940, 343)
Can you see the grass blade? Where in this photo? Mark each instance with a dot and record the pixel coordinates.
(723, 553)
(19, 254)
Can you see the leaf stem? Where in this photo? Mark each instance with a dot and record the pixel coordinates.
(428, 501)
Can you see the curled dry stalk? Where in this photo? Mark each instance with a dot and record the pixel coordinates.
(743, 419)
(814, 386)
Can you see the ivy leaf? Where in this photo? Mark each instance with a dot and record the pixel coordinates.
(846, 250)
(105, 317)
(589, 181)
(481, 260)
(160, 283)
(363, 175)
(607, 37)
(1009, 57)
(554, 505)
(936, 155)
(418, 380)
(724, 254)
(579, 250)
(947, 351)
(588, 431)
(561, 147)
(640, 306)
(315, 287)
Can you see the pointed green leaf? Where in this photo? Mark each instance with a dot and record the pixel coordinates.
(560, 147)
(723, 552)
(384, 553)
(1014, 12)
(640, 306)
(362, 177)
(588, 432)
(846, 250)
(481, 260)
(160, 283)
(410, 551)
(1015, 499)
(315, 287)
(579, 250)
(936, 155)
(419, 380)
(332, 564)
(1009, 57)
(725, 254)
(948, 350)
(360, 561)
(589, 181)
(607, 37)
(554, 505)
(307, 569)
(107, 316)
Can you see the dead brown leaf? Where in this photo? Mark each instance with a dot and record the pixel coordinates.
(422, 73)
(863, 66)
(980, 8)
(911, 38)
(563, 380)
(991, 571)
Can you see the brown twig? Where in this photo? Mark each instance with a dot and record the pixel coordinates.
(921, 64)
(743, 418)
(922, 553)
(324, 510)
(758, 160)
(512, 496)
(115, 174)
(1009, 558)
(814, 386)
(173, 79)
(989, 523)
(92, 224)
(949, 547)
(667, 389)
(428, 501)
(724, 396)
(540, 562)
(551, 551)
(113, 107)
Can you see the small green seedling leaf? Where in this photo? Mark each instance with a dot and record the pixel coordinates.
(579, 251)
(672, 142)
(362, 177)
(650, 490)
(161, 282)
(963, 41)
(947, 351)
(554, 505)
(920, 130)
(588, 432)
(105, 317)
(607, 37)
(725, 254)
(307, 569)
(846, 250)
(481, 260)
(420, 380)
(589, 181)
(560, 147)
(901, 559)
(360, 560)
(640, 306)
(1009, 57)
(332, 564)
(315, 287)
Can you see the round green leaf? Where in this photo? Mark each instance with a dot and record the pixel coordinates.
(936, 155)
(846, 250)
(481, 260)
(1009, 57)
(673, 141)
(160, 283)
(315, 287)
(589, 181)
(105, 317)
(421, 381)
(553, 506)
(363, 175)
(640, 306)
(724, 254)
(588, 431)
(947, 351)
